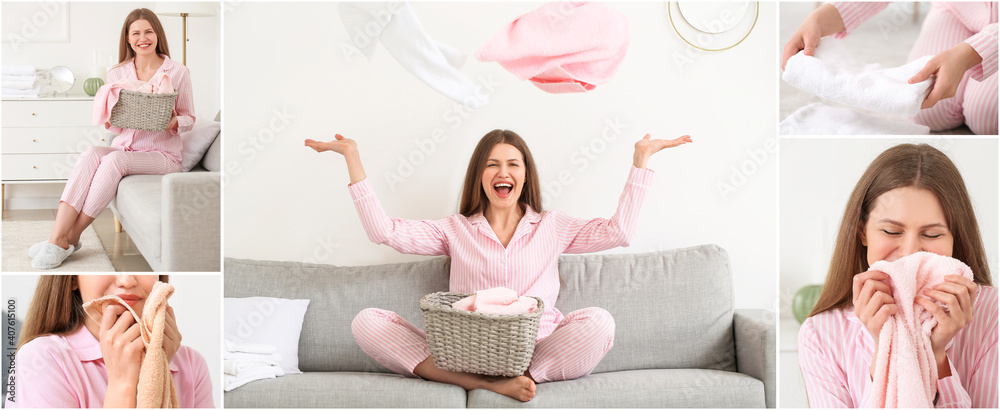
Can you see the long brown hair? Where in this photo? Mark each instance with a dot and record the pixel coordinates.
(474, 199)
(56, 308)
(125, 51)
(905, 165)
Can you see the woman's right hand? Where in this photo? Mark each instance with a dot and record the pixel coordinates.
(873, 301)
(822, 22)
(341, 145)
(121, 346)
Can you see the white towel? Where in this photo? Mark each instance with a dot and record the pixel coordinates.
(238, 367)
(269, 359)
(258, 348)
(403, 36)
(822, 119)
(834, 74)
(18, 69)
(20, 93)
(264, 372)
(25, 84)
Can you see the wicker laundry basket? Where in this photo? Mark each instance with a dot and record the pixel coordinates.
(481, 343)
(143, 111)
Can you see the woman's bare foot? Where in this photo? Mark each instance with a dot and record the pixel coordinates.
(520, 388)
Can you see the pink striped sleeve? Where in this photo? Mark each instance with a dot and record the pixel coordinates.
(855, 13)
(985, 43)
(114, 76)
(950, 392)
(404, 235)
(826, 382)
(184, 107)
(593, 235)
(984, 380)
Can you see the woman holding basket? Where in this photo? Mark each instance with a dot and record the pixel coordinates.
(93, 183)
(500, 238)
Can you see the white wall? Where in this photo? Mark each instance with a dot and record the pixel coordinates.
(285, 202)
(817, 177)
(97, 27)
(197, 303)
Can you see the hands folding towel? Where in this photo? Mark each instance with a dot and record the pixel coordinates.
(156, 384)
(834, 74)
(906, 372)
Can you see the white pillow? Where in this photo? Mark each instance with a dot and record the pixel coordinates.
(273, 321)
(196, 142)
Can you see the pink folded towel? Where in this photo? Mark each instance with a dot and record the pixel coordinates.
(562, 47)
(107, 95)
(497, 301)
(906, 373)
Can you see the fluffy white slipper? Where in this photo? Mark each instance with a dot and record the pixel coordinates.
(33, 250)
(50, 256)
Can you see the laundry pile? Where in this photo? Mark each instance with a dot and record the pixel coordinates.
(878, 100)
(20, 81)
(247, 362)
(107, 95)
(497, 301)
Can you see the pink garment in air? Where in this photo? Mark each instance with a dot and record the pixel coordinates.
(905, 372)
(107, 95)
(497, 301)
(562, 47)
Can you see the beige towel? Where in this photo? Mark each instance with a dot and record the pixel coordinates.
(156, 385)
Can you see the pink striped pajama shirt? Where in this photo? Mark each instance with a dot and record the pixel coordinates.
(835, 353)
(568, 347)
(947, 24)
(94, 180)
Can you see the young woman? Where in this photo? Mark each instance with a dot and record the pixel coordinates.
(500, 238)
(65, 359)
(910, 199)
(962, 37)
(94, 181)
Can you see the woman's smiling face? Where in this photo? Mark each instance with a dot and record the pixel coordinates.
(142, 38)
(904, 221)
(503, 178)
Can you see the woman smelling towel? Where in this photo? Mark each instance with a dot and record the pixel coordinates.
(911, 199)
(500, 238)
(67, 359)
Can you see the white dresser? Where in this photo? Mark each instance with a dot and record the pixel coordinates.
(43, 138)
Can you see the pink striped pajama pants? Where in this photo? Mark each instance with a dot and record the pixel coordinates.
(94, 181)
(975, 102)
(572, 350)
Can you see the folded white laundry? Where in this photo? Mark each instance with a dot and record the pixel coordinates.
(400, 32)
(836, 75)
(258, 348)
(17, 92)
(823, 119)
(21, 69)
(21, 84)
(264, 372)
(238, 367)
(269, 359)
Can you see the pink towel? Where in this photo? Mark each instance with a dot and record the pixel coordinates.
(562, 47)
(906, 375)
(497, 301)
(107, 95)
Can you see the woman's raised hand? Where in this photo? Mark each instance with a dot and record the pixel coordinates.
(121, 346)
(646, 147)
(346, 147)
(822, 22)
(948, 68)
(341, 145)
(958, 295)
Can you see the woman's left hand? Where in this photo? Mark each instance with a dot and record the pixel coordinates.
(171, 335)
(948, 68)
(172, 126)
(958, 294)
(646, 147)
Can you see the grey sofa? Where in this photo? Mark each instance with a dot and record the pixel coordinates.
(175, 219)
(678, 340)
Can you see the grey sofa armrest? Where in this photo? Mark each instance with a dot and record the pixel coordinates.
(755, 333)
(192, 203)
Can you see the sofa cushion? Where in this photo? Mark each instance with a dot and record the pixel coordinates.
(336, 295)
(638, 388)
(196, 143)
(672, 309)
(139, 206)
(352, 390)
(212, 160)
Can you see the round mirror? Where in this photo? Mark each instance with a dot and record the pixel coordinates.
(62, 79)
(713, 17)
